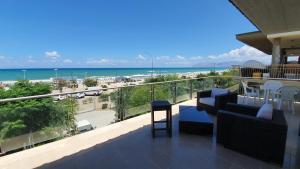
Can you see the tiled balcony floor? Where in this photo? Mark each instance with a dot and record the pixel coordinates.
(129, 144)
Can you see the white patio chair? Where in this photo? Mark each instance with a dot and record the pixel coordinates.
(271, 88)
(287, 94)
(249, 92)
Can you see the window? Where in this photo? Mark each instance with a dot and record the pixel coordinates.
(292, 59)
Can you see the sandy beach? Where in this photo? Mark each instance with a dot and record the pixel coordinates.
(111, 81)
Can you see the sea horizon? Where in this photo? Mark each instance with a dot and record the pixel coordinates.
(11, 74)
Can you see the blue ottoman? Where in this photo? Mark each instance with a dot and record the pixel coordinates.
(194, 122)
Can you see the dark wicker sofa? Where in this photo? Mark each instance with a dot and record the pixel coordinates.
(239, 129)
(220, 101)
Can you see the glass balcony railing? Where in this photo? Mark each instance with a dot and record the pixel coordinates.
(135, 100)
(274, 72)
(26, 122)
(182, 91)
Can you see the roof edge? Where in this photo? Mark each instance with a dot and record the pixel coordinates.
(248, 33)
(244, 14)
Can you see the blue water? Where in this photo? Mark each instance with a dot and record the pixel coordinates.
(37, 74)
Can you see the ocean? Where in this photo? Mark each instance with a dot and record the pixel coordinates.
(47, 73)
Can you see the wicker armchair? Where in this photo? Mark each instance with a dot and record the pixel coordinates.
(213, 104)
(239, 129)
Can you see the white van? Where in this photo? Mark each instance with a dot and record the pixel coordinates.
(95, 91)
(77, 95)
(83, 125)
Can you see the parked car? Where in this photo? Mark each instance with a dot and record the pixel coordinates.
(59, 97)
(84, 125)
(77, 95)
(93, 91)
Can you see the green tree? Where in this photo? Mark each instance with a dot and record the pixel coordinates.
(73, 84)
(213, 73)
(201, 75)
(9, 129)
(231, 72)
(24, 116)
(59, 84)
(70, 106)
(90, 82)
(162, 78)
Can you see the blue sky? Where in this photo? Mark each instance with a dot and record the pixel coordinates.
(122, 33)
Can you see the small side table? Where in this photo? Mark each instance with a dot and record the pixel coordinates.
(161, 105)
(299, 131)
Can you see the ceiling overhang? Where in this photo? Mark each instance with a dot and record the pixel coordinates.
(257, 40)
(271, 16)
(274, 19)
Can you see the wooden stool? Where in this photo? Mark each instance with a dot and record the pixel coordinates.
(161, 105)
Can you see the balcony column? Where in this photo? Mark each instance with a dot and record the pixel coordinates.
(276, 51)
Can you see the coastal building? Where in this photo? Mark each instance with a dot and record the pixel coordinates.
(278, 33)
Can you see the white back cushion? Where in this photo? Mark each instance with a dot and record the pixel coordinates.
(265, 112)
(218, 91)
(208, 100)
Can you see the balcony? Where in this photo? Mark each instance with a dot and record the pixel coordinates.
(289, 72)
(128, 143)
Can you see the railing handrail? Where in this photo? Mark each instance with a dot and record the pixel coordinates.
(270, 78)
(282, 73)
(109, 88)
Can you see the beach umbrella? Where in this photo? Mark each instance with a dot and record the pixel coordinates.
(254, 64)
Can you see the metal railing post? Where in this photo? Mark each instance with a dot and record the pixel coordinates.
(175, 92)
(120, 105)
(94, 102)
(191, 89)
(152, 92)
(240, 88)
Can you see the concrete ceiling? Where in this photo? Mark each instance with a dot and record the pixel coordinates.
(257, 40)
(273, 19)
(271, 16)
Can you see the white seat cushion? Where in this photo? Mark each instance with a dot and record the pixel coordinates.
(265, 112)
(218, 91)
(252, 94)
(208, 100)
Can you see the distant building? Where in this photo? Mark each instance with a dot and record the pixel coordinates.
(122, 79)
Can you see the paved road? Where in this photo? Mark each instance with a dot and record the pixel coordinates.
(97, 118)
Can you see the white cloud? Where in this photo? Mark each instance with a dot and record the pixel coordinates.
(31, 60)
(109, 62)
(141, 57)
(98, 61)
(235, 56)
(52, 54)
(2, 57)
(180, 57)
(67, 61)
(212, 57)
(232, 57)
(163, 58)
(177, 60)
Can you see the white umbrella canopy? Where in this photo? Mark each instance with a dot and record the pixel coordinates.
(254, 64)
